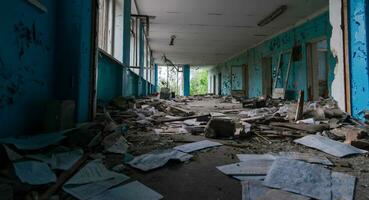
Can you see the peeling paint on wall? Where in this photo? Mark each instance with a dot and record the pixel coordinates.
(338, 84)
(311, 30)
(358, 56)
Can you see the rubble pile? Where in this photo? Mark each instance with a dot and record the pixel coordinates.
(142, 134)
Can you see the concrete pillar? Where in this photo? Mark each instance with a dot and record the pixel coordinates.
(186, 80)
(156, 77)
(126, 45)
(141, 81)
(74, 23)
(358, 39)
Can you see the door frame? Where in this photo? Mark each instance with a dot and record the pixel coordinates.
(245, 68)
(269, 61)
(312, 82)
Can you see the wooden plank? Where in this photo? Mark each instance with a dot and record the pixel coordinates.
(183, 118)
(63, 178)
(346, 56)
(310, 128)
(300, 106)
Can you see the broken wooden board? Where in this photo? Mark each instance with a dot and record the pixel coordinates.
(300, 106)
(181, 111)
(310, 128)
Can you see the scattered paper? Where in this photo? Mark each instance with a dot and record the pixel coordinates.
(89, 190)
(301, 178)
(131, 191)
(115, 143)
(248, 157)
(251, 167)
(12, 155)
(307, 157)
(92, 180)
(249, 177)
(254, 190)
(91, 172)
(36, 142)
(195, 146)
(158, 159)
(343, 186)
(329, 146)
(34, 173)
(62, 160)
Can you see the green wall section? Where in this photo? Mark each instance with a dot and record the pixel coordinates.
(311, 31)
(109, 80)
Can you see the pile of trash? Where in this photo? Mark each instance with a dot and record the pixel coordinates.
(138, 133)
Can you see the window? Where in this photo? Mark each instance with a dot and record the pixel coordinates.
(111, 27)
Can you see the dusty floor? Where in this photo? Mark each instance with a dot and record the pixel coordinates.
(199, 179)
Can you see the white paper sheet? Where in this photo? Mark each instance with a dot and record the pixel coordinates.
(131, 191)
(34, 173)
(195, 146)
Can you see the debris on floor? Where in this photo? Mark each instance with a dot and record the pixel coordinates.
(329, 146)
(95, 160)
(255, 190)
(188, 148)
(158, 159)
(309, 180)
(131, 191)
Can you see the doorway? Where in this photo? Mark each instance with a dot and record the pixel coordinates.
(318, 68)
(267, 76)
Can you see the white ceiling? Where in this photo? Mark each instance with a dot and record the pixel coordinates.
(210, 31)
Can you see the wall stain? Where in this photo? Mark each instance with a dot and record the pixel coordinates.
(26, 36)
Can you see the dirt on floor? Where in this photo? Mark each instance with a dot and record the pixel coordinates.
(199, 179)
(127, 128)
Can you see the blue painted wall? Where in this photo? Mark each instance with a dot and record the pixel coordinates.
(317, 28)
(43, 57)
(186, 80)
(27, 52)
(156, 77)
(74, 28)
(109, 78)
(358, 21)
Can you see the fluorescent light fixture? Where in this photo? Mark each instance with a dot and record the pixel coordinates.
(273, 16)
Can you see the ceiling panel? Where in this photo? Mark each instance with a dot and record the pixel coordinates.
(210, 31)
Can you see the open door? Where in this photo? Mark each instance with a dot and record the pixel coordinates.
(318, 68)
(267, 76)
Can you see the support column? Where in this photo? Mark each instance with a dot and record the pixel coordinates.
(74, 54)
(186, 80)
(358, 40)
(156, 77)
(126, 45)
(141, 81)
